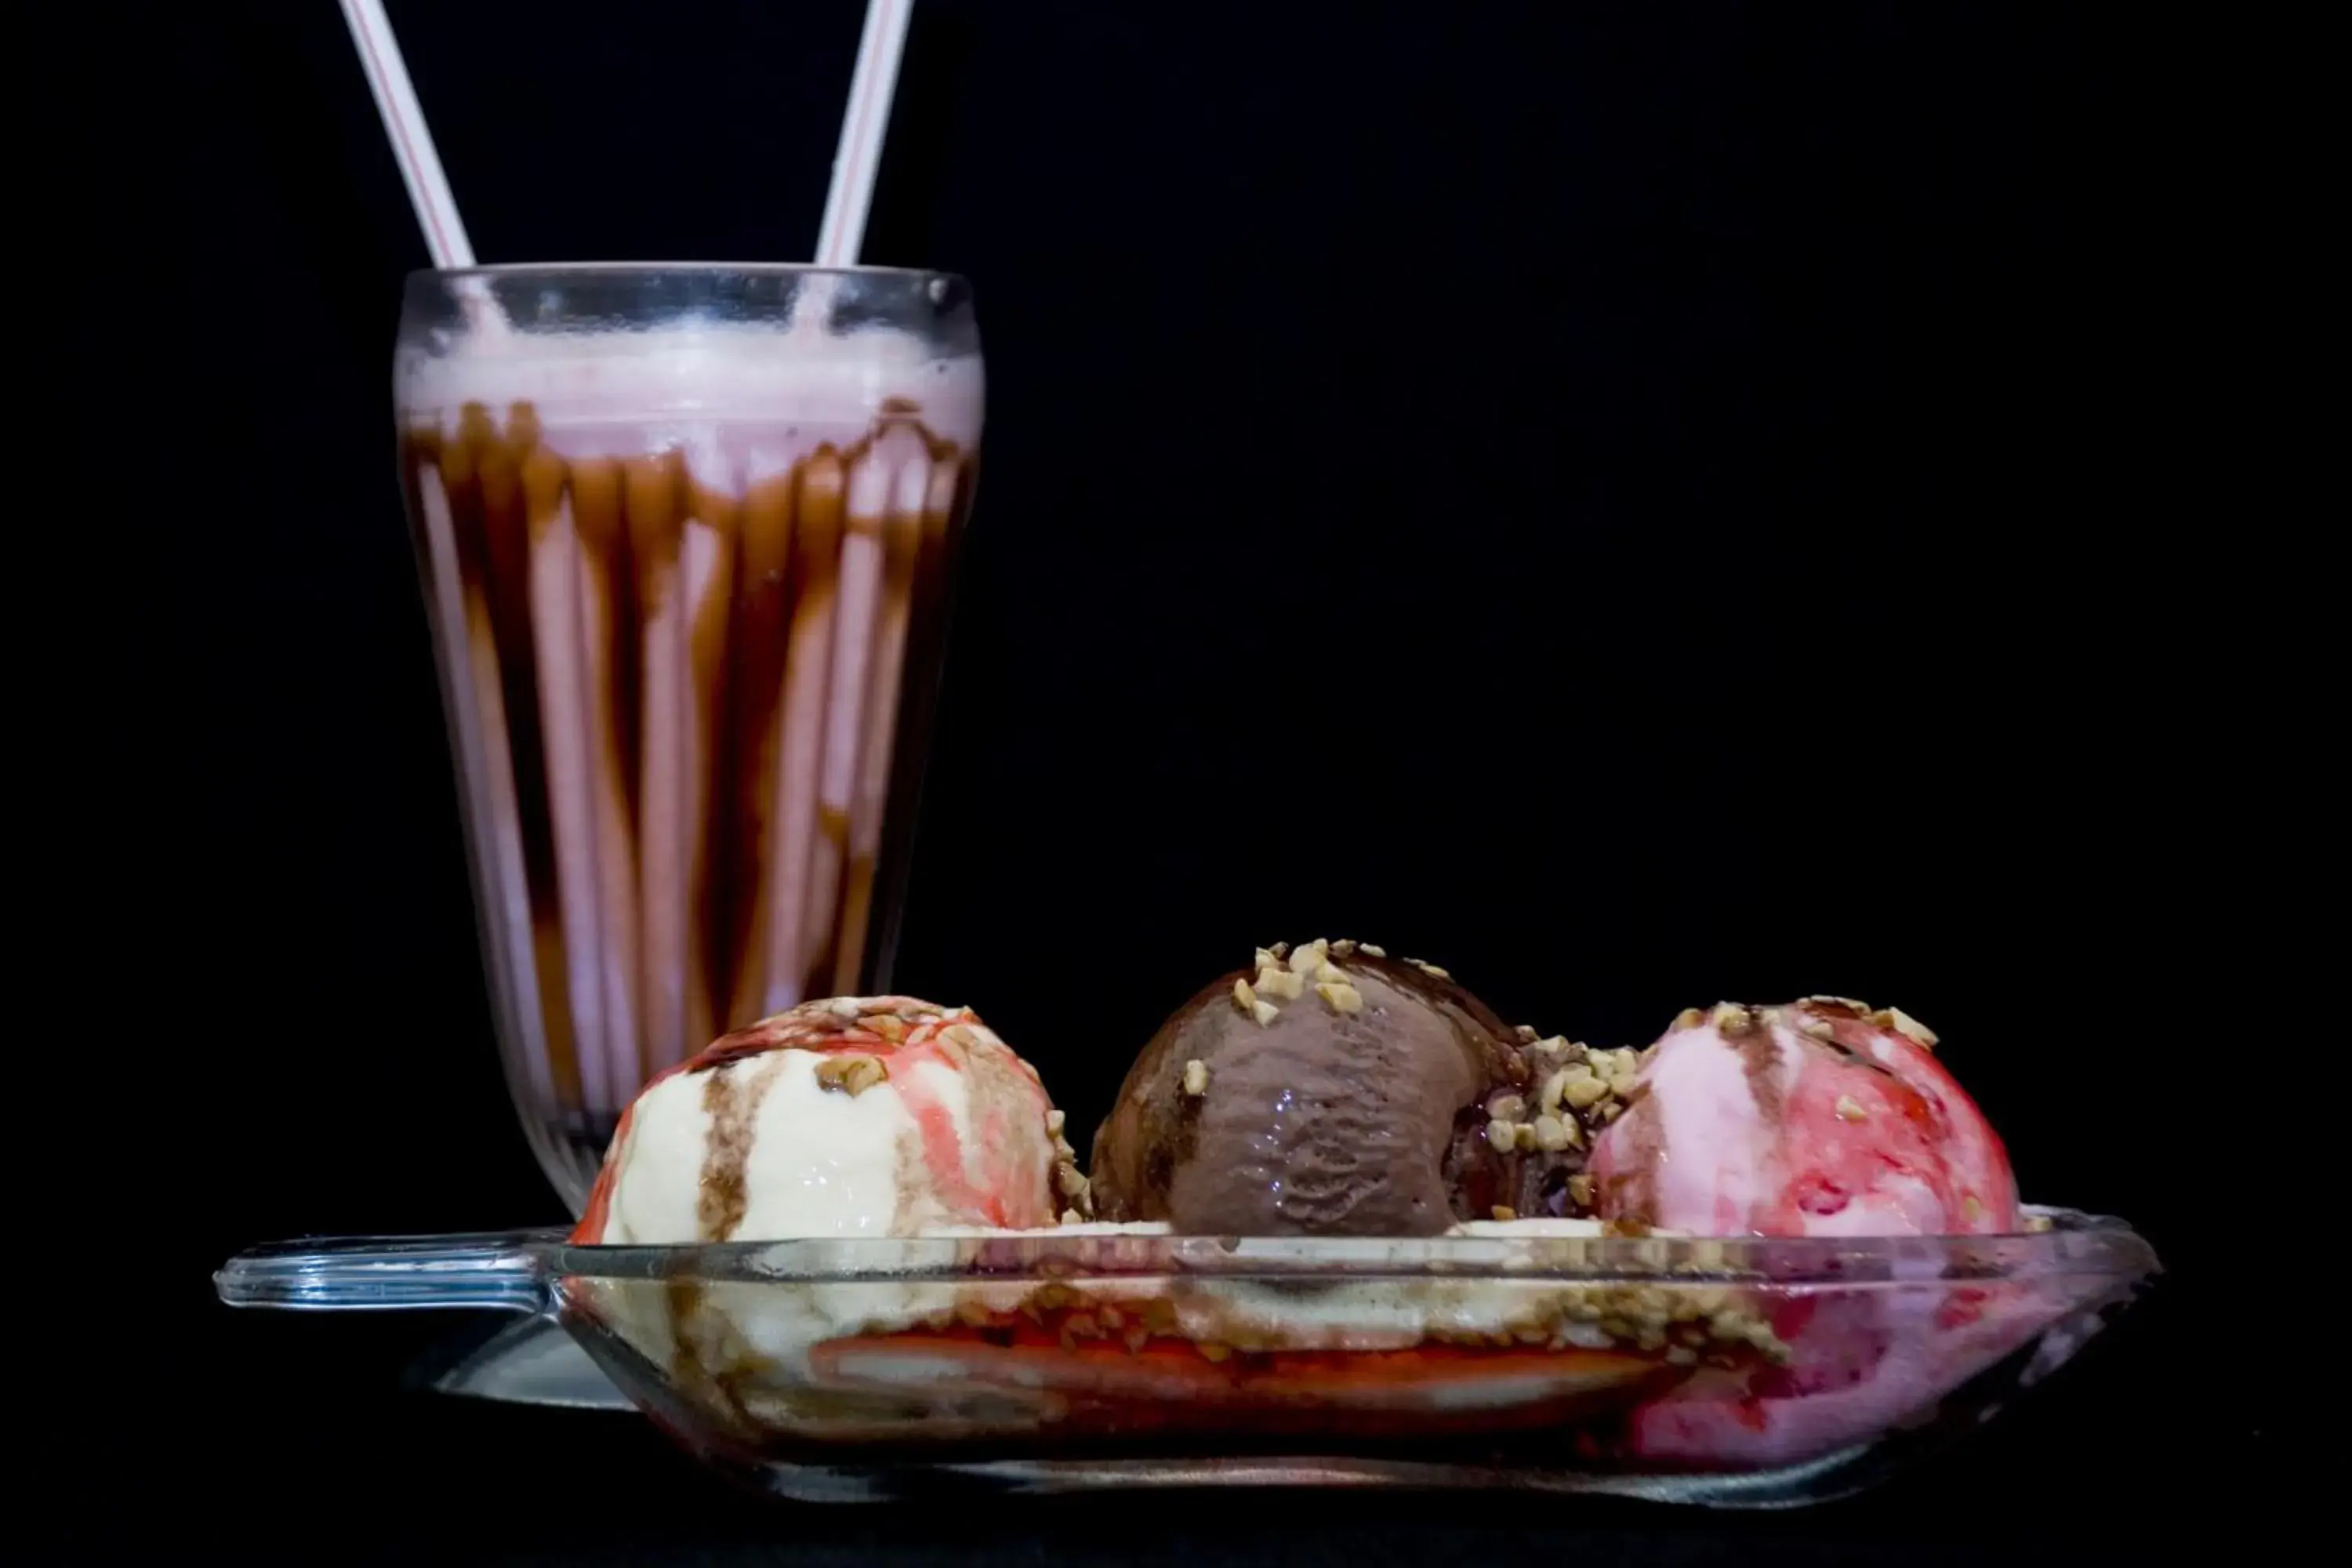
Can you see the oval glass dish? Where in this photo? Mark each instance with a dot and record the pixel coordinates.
(1747, 1371)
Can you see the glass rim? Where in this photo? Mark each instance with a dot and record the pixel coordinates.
(519, 1264)
(675, 268)
(2074, 1244)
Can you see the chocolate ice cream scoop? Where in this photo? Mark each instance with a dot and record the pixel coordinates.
(1333, 1091)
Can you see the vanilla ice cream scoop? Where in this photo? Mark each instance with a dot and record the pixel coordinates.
(1821, 1118)
(854, 1116)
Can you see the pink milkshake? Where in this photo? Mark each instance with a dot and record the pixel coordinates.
(685, 535)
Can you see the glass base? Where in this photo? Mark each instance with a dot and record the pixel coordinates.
(535, 1361)
(1823, 1479)
(528, 1361)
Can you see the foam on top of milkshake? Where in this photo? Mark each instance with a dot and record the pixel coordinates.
(716, 370)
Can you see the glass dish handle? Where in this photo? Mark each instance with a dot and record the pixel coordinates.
(499, 1271)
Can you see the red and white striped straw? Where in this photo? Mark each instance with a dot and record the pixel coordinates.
(863, 122)
(403, 124)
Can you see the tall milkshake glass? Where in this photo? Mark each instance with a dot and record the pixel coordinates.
(685, 535)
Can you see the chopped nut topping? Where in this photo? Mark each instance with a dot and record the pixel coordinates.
(1846, 1002)
(1344, 947)
(1245, 997)
(1265, 1013)
(1067, 1181)
(1849, 1108)
(1504, 1212)
(1341, 997)
(1502, 1136)
(2035, 1223)
(1368, 950)
(1580, 1190)
(1574, 1130)
(1613, 1111)
(1279, 983)
(1266, 958)
(1622, 1084)
(843, 1006)
(1055, 1121)
(1070, 1217)
(1688, 1018)
(1430, 969)
(1816, 1029)
(1554, 1088)
(851, 1074)
(885, 1024)
(1526, 1032)
(1904, 1023)
(963, 1035)
(1280, 949)
(1507, 1108)
(1552, 1134)
(1731, 1018)
(1196, 1078)
(1582, 1089)
(1523, 1138)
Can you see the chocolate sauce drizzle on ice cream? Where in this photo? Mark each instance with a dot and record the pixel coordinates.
(854, 1116)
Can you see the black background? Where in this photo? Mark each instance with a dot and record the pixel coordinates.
(1638, 504)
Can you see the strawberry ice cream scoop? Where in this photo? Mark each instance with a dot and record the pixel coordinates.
(1821, 1118)
(855, 1116)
